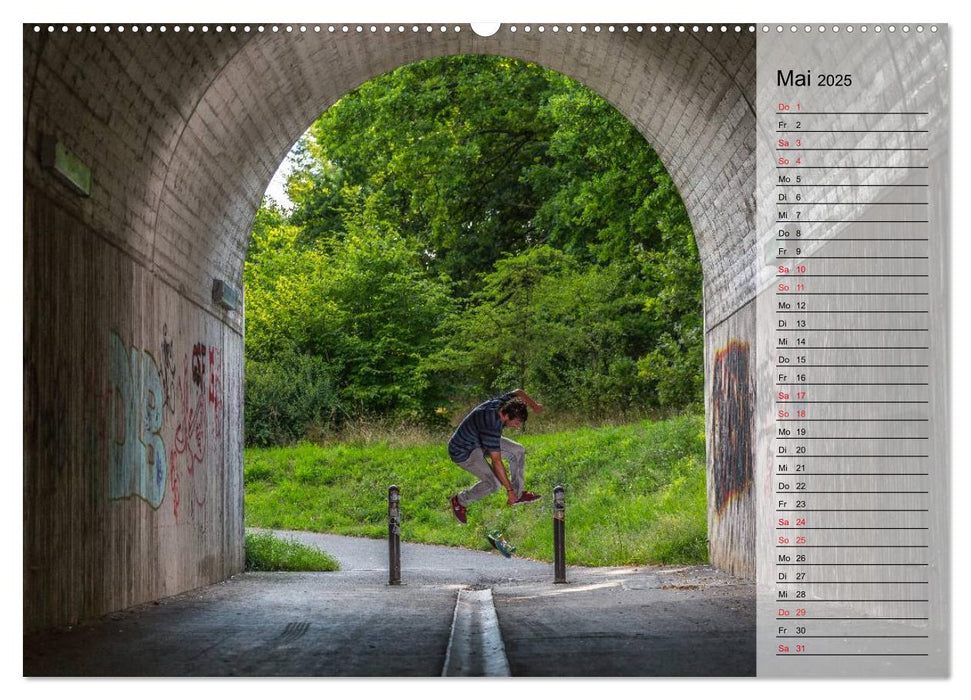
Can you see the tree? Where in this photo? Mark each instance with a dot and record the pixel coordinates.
(437, 149)
(544, 319)
(466, 223)
(363, 306)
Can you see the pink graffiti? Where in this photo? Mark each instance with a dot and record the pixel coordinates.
(191, 436)
(216, 389)
(175, 483)
(198, 364)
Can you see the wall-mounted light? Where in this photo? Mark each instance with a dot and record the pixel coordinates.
(67, 166)
(225, 295)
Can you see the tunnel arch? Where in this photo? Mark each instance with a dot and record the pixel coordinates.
(182, 132)
(682, 92)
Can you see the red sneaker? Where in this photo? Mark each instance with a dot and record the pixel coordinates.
(526, 497)
(458, 510)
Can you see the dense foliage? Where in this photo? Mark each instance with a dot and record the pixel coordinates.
(460, 226)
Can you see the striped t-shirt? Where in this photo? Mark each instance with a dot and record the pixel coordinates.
(481, 428)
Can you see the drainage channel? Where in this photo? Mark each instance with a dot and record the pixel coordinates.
(475, 647)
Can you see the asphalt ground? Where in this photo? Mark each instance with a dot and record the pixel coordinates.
(604, 622)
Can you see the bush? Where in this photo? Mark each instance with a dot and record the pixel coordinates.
(283, 399)
(264, 552)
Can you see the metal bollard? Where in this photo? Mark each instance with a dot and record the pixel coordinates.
(394, 536)
(559, 544)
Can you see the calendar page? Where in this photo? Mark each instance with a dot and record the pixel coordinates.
(289, 279)
(853, 465)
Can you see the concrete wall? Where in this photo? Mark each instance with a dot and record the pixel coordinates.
(132, 380)
(132, 407)
(133, 377)
(730, 381)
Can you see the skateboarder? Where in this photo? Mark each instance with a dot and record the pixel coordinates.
(479, 448)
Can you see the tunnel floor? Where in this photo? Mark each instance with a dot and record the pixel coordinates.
(616, 621)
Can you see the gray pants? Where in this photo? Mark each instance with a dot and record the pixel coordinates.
(480, 465)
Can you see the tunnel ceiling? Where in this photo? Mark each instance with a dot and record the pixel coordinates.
(183, 131)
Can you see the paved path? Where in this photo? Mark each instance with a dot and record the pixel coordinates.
(637, 621)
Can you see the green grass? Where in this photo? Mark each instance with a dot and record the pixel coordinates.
(264, 552)
(635, 494)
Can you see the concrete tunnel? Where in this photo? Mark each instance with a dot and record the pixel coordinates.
(133, 374)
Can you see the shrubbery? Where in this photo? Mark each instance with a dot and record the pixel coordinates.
(285, 397)
(265, 552)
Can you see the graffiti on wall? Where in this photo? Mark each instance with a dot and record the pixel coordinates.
(200, 401)
(198, 364)
(137, 428)
(732, 400)
(216, 390)
(168, 368)
(137, 460)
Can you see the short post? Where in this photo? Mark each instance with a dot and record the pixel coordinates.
(559, 545)
(394, 536)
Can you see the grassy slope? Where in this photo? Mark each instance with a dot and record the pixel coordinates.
(635, 494)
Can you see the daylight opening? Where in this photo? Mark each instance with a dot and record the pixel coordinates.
(447, 232)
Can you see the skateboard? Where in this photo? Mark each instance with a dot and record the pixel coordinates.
(497, 540)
